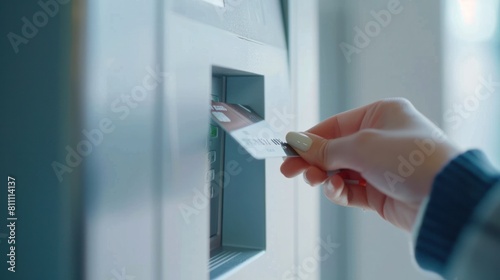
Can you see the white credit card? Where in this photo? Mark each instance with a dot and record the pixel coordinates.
(251, 131)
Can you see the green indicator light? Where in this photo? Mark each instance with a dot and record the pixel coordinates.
(214, 131)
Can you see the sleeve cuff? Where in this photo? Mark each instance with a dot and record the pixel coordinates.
(456, 192)
(418, 220)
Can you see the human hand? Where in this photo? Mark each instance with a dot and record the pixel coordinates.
(389, 143)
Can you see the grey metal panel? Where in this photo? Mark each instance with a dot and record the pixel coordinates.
(192, 49)
(304, 60)
(251, 19)
(122, 81)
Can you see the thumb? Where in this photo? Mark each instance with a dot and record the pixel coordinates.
(327, 154)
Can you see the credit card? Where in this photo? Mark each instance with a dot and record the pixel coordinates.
(250, 130)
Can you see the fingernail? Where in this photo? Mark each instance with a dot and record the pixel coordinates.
(299, 141)
(305, 179)
(329, 185)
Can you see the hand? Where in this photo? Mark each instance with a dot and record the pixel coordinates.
(389, 143)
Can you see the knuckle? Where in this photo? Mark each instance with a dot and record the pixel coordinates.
(365, 137)
(396, 103)
(324, 153)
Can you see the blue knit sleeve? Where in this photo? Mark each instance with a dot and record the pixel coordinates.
(457, 190)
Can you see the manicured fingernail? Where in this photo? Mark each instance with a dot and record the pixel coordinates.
(299, 141)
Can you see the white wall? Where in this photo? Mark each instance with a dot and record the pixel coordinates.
(303, 38)
(402, 59)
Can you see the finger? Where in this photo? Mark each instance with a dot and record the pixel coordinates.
(365, 197)
(400, 214)
(292, 167)
(343, 194)
(314, 176)
(350, 176)
(326, 154)
(343, 124)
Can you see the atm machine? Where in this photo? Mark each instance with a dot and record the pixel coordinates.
(128, 177)
(168, 194)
